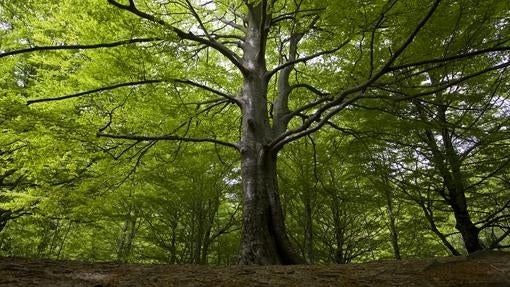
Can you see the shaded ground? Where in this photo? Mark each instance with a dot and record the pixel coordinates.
(482, 269)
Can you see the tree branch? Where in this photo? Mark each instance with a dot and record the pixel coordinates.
(450, 58)
(452, 83)
(78, 46)
(137, 83)
(103, 89)
(222, 49)
(337, 104)
(292, 15)
(199, 20)
(232, 24)
(408, 41)
(207, 88)
(490, 218)
(269, 74)
(307, 127)
(490, 175)
(310, 88)
(168, 138)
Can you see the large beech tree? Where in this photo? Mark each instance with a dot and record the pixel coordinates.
(250, 75)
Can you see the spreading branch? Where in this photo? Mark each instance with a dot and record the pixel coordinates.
(269, 74)
(137, 83)
(99, 90)
(207, 88)
(451, 58)
(448, 84)
(409, 39)
(209, 42)
(338, 103)
(78, 46)
(199, 20)
(310, 88)
(312, 124)
(491, 218)
(168, 138)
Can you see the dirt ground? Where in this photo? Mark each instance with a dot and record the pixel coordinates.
(482, 269)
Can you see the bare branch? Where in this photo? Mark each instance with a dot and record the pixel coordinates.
(292, 15)
(168, 138)
(314, 122)
(232, 24)
(78, 46)
(308, 126)
(490, 175)
(377, 25)
(491, 218)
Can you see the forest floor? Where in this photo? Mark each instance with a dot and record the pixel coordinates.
(482, 269)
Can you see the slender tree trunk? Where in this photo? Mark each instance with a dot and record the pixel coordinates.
(456, 188)
(173, 244)
(198, 235)
(464, 224)
(339, 230)
(211, 211)
(63, 240)
(127, 237)
(446, 161)
(392, 224)
(430, 218)
(308, 226)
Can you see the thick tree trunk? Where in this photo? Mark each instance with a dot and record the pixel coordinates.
(456, 198)
(264, 238)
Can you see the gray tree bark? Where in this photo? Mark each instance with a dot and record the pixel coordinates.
(264, 237)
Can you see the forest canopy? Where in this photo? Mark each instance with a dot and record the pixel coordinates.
(254, 131)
